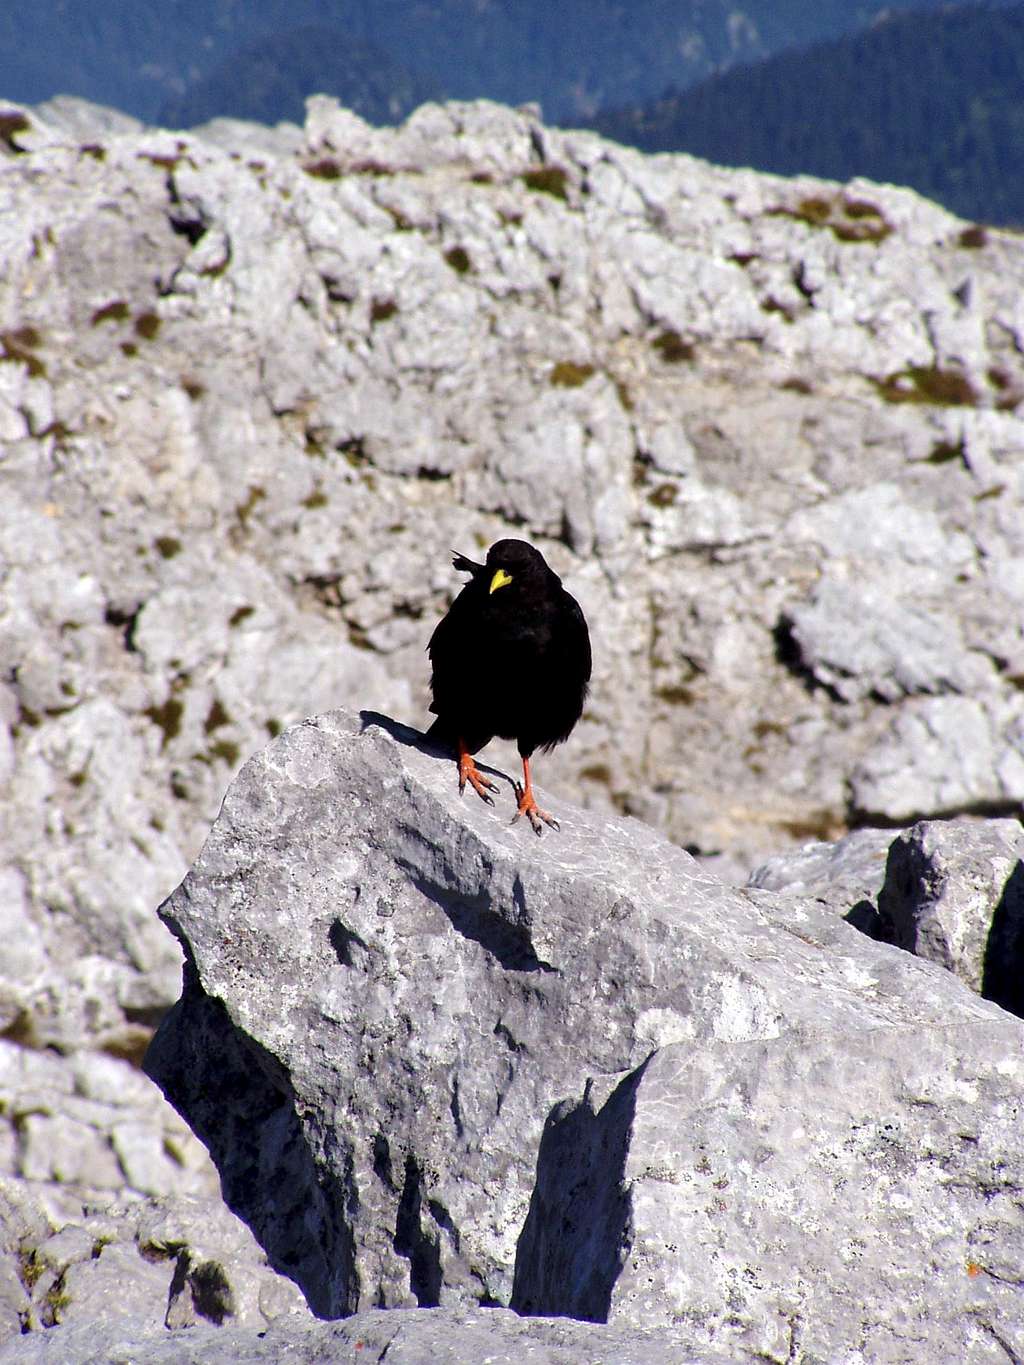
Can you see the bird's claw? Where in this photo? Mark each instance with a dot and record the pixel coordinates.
(483, 786)
(528, 807)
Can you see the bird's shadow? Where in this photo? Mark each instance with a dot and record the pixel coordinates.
(416, 739)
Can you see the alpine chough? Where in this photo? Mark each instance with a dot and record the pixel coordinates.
(511, 658)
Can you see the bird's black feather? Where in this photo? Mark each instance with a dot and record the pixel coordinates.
(513, 662)
(465, 565)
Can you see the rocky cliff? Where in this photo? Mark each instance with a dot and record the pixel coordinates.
(254, 386)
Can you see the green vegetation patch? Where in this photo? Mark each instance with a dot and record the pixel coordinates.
(116, 311)
(371, 167)
(17, 347)
(167, 718)
(928, 384)
(354, 452)
(672, 348)
(676, 694)
(597, 772)
(568, 375)
(30, 1270)
(168, 546)
(147, 325)
(1008, 392)
(324, 169)
(216, 717)
(849, 220)
(664, 495)
(382, 309)
(12, 122)
(165, 161)
(551, 180)
(244, 510)
(458, 259)
(813, 210)
(944, 452)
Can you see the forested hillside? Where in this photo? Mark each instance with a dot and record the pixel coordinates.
(574, 58)
(270, 80)
(935, 101)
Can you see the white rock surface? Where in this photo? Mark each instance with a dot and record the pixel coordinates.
(256, 384)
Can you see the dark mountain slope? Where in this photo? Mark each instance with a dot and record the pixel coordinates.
(574, 57)
(935, 101)
(269, 81)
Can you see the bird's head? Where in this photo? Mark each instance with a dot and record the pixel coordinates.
(513, 562)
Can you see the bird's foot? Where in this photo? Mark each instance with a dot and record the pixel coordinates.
(469, 772)
(528, 807)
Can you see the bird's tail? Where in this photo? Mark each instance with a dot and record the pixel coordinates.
(466, 565)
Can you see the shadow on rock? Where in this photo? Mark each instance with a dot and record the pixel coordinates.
(417, 739)
(866, 917)
(577, 1230)
(1003, 972)
(239, 1102)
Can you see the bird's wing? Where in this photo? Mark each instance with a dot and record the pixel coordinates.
(576, 624)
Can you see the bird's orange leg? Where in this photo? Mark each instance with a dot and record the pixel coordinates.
(528, 804)
(469, 772)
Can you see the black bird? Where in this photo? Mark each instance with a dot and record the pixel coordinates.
(511, 658)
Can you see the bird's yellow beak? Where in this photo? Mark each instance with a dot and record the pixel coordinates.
(500, 580)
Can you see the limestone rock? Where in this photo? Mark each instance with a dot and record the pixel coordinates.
(845, 876)
(440, 1062)
(156, 1264)
(954, 894)
(255, 385)
(848, 870)
(109, 1206)
(441, 1336)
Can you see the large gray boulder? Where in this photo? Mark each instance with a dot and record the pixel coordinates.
(440, 1062)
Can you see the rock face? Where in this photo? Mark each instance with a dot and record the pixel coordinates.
(414, 1337)
(438, 1061)
(255, 384)
(109, 1206)
(954, 894)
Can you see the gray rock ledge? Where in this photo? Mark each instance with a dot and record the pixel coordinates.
(418, 1337)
